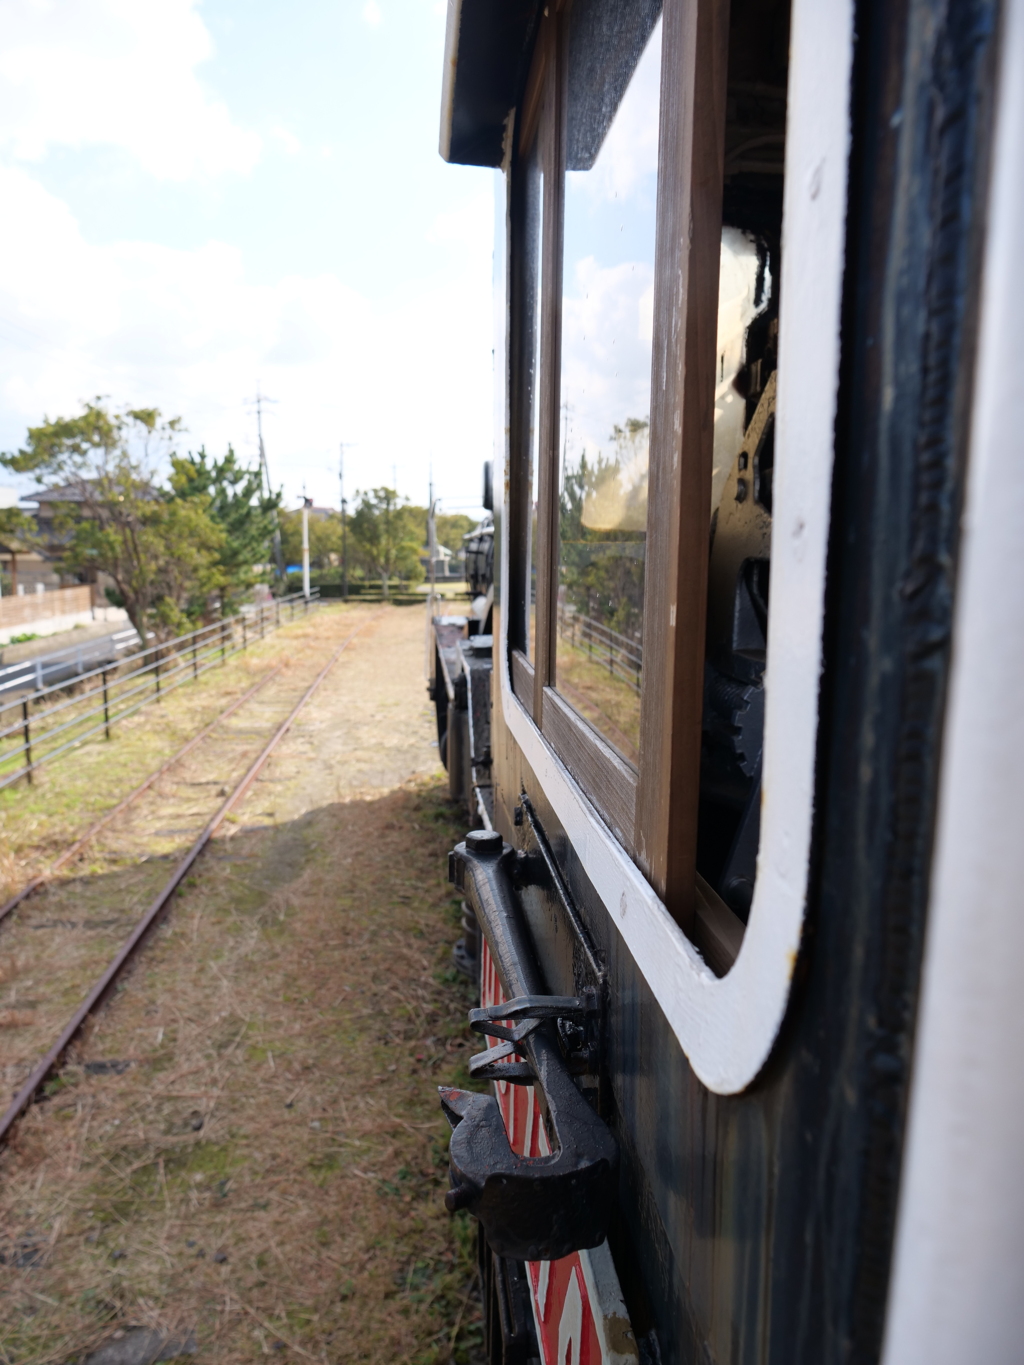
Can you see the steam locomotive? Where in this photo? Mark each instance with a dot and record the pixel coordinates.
(732, 718)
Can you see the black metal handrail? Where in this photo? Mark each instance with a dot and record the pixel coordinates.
(122, 687)
(622, 656)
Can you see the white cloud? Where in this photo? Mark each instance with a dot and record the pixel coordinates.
(372, 13)
(606, 350)
(119, 73)
(286, 140)
(186, 330)
(608, 306)
(468, 224)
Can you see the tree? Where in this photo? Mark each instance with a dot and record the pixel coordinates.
(237, 504)
(385, 536)
(450, 527)
(162, 552)
(602, 513)
(17, 525)
(18, 535)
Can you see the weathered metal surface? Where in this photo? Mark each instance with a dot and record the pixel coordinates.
(578, 1310)
(529, 1208)
(757, 1227)
(487, 45)
(448, 632)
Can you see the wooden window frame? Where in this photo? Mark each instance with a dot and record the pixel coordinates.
(522, 345)
(652, 810)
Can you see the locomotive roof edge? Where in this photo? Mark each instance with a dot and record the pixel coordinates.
(486, 50)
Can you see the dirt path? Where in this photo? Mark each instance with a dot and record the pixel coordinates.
(247, 1156)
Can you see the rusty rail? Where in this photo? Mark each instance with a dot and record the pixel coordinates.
(153, 914)
(74, 849)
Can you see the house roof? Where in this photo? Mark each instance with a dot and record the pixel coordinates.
(67, 492)
(73, 492)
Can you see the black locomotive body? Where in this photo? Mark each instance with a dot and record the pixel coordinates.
(713, 741)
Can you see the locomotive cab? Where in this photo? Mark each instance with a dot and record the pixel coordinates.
(740, 273)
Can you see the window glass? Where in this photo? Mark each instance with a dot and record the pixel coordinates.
(533, 219)
(614, 77)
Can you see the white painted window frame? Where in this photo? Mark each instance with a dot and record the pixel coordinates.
(727, 1026)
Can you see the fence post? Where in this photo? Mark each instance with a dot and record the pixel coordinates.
(223, 635)
(28, 740)
(106, 706)
(156, 674)
(277, 611)
(245, 634)
(195, 658)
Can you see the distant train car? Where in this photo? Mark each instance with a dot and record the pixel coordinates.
(740, 752)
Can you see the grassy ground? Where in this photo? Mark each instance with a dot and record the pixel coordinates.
(37, 821)
(58, 943)
(246, 1149)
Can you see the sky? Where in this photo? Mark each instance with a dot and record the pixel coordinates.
(608, 277)
(203, 199)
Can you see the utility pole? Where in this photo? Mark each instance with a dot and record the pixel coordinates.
(432, 537)
(278, 556)
(307, 503)
(344, 518)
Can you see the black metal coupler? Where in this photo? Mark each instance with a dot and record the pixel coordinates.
(531, 1208)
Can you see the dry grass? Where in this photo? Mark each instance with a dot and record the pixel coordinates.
(37, 821)
(59, 941)
(267, 1171)
(611, 705)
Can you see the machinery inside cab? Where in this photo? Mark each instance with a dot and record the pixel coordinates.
(695, 715)
(599, 583)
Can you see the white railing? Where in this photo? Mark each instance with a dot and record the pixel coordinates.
(43, 670)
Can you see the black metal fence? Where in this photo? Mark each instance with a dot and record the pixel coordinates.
(620, 655)
(41, 725)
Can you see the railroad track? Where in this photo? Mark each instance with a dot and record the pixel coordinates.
(94, 952)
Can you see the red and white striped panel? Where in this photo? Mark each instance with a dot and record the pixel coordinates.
(577, 1303)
